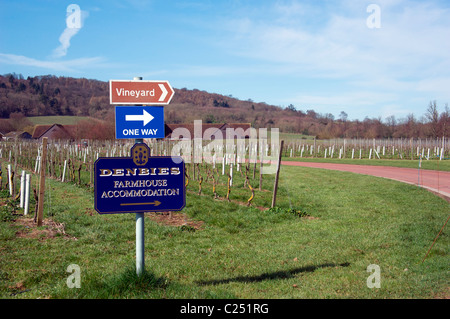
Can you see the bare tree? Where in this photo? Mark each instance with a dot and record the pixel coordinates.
(432, 116)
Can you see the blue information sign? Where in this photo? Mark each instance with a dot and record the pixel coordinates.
(139, 122)
(139, 183)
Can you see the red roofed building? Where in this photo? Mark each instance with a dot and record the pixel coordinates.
(55, 131)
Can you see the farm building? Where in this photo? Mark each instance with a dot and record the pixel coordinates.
(55, 131)
(17, 135)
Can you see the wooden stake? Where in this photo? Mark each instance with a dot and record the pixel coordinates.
(274, 198)
(42, 182)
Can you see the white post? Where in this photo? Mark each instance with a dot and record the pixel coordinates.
(376, 153)
(64, 171)
(27, 193)
(140, 260)
(10, 180)
(38, 164)
(231, 174)
(22, 188)
(353, 153)
(370, 154)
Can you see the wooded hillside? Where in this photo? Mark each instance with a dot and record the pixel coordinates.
(51, 95)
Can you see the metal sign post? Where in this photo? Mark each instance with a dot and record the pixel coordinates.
(139, 183)
(140, 226)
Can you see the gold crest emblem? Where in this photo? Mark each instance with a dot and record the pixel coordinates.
(140, 153)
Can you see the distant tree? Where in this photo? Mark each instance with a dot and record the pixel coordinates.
(391, 124)
(18, 121)
(311, 113)
(291, 107)
(11, 79)
(21, 87)
(343, 116)
(210, 119)
(444, 121)
(432, 115)
(220, 103)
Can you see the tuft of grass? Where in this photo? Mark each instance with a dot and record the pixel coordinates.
(291, 211)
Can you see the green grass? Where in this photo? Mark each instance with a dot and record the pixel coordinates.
(241, 252)
(443, 165)
(48, 120)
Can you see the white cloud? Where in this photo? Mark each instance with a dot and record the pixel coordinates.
(64, 39)
(68, 66)
(74, 23)
(409, 43)
(406, 60)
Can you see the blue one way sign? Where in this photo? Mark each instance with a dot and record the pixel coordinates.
(139, 122)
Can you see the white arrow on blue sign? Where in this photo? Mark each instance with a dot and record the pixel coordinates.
(139, 122)
(145, 117)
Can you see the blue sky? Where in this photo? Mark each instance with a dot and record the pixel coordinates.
(319, 55)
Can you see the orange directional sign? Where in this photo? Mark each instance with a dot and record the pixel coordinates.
(140, 92)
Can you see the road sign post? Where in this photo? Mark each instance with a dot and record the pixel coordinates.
(140, 183)
(140, 224)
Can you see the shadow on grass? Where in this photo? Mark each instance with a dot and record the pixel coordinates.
(270, 276)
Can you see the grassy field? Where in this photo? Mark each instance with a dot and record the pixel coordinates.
(48, 120)
(347, 222)
(443, 165)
